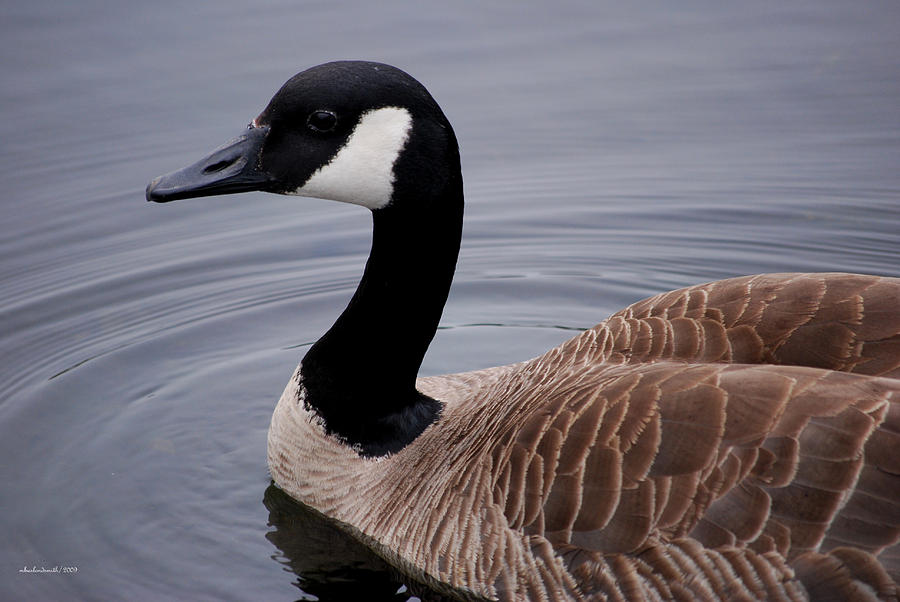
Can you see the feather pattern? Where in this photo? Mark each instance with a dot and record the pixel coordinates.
(732, 440)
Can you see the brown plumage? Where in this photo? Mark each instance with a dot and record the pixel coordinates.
(733, 440)
(737, 440)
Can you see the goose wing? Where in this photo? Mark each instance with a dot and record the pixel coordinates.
(662, 445)
(845, 322)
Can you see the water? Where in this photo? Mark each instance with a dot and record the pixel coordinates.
(609, 153)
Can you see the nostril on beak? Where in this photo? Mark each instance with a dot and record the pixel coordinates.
(219, 165)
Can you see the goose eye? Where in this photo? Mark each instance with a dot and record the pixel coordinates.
(321, 121)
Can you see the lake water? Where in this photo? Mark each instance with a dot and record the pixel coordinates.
(610, 152)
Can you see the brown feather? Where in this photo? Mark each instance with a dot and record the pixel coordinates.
(733, 440)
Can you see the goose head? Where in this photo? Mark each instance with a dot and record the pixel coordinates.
(369, 134)
(351, 131)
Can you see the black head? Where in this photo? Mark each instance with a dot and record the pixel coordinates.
(351, 131)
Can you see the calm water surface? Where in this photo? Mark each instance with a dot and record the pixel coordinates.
(609, 153)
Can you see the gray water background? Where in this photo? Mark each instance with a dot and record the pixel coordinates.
(610, 151)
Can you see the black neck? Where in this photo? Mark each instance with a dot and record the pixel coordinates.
(360, 377)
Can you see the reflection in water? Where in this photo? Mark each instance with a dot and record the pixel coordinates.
(329, 564)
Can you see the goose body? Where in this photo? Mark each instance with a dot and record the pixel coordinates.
(733, 440)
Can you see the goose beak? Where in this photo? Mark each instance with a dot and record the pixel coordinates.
(231, 168)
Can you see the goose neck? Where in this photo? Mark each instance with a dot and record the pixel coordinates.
(360, 376)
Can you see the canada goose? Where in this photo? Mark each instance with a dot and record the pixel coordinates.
(733, 440)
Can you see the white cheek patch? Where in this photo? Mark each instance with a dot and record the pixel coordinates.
(362, 171)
